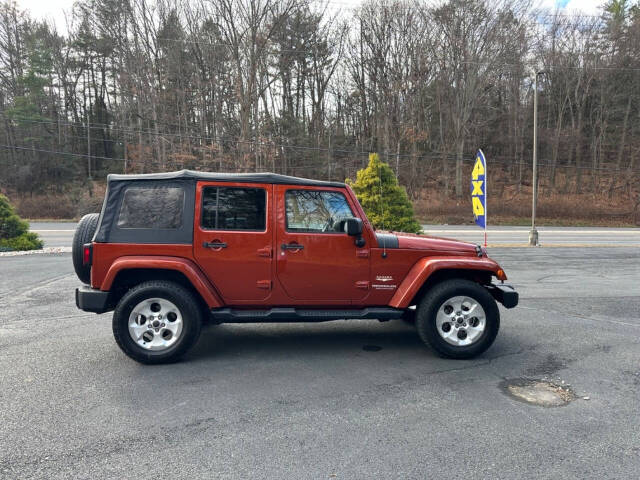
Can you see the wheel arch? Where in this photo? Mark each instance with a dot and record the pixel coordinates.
(127, 272)
(428, 272)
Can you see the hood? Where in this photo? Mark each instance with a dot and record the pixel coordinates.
(426, 242)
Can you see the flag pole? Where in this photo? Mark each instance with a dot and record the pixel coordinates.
(486, 198)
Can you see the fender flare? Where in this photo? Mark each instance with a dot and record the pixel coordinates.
(425, 267)
(183, 265)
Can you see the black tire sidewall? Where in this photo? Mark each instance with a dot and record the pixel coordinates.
(181, 298)
(428, 308)
(84, 233)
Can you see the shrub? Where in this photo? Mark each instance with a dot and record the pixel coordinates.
(14, 232)
(26, 241)
(384, 201)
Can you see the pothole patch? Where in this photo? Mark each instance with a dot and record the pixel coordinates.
(538, 392)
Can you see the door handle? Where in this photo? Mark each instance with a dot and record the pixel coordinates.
(291, 246)
(214, 244)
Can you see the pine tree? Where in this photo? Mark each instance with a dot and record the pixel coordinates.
(384, 201)
(14, 232)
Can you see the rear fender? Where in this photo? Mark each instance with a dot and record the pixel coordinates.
(182, 265)
(425, 267)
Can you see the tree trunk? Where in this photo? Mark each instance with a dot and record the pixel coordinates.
(459, 158)
(624, 134)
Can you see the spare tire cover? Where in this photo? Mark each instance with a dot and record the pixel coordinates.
(84, 234)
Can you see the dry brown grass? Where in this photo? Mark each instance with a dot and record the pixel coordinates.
(513, 208)
(64, 206)
(615, 204)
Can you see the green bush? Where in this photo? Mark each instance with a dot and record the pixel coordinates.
(12, 226)
(14, 232)
(26, 241)
(384, 201)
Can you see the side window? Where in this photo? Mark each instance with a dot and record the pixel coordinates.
(152, 208)
(234, 208)
(316, 211)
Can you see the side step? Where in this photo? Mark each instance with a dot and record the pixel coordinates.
(282, 314)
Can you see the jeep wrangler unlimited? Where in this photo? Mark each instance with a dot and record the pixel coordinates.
(169, 251)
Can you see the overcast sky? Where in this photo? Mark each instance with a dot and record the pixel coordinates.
(54, 9)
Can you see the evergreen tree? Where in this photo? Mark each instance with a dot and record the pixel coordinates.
(14, 232)
(384, 201)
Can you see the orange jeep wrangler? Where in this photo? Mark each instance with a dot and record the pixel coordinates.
(171, 250)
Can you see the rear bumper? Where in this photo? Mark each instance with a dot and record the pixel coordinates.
(505, 294)
(92, 300)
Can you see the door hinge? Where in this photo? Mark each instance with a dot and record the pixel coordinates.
(264, 252)
(264, 284)
(362, 284)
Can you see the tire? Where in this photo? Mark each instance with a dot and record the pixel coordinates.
(84, 234)
(171, 298)
(440, 306)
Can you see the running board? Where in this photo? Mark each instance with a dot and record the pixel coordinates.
(234, 315)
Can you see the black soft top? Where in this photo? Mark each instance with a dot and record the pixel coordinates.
(225, 177)
(111, 232)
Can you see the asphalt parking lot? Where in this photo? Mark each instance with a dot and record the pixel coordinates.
(308, 402)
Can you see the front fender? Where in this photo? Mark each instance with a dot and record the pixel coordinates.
(183, 265)
(425, 267)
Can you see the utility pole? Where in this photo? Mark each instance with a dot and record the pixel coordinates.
(533, 234)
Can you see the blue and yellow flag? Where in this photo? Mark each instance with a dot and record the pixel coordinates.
(479, 190)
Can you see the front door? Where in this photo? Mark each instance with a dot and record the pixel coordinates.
(316, 260)
(233, 237)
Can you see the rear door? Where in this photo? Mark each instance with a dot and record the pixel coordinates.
(316, 260)
(233, 236)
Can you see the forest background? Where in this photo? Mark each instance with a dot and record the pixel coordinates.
(310, 88)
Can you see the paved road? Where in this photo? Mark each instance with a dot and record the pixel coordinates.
(306, 401)
(548, 236)
(54, 234)
(61, 235)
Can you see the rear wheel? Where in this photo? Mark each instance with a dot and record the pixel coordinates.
(157, 322)
(84, 234)
(458, 319)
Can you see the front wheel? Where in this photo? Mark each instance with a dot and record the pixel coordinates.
(458, 319)
(157, 322)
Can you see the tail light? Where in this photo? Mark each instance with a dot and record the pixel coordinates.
(87, 254)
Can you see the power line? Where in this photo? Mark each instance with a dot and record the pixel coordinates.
(55, 152)
(320, 162)
(222, 140)
(219, 139)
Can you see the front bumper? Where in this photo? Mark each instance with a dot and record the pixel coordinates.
(505, 294)
(93, 300)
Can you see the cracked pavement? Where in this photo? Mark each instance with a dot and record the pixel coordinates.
(306, 401)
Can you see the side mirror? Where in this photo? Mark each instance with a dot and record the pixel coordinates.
(353, 228)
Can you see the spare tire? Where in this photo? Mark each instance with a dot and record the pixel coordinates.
(84, 234)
